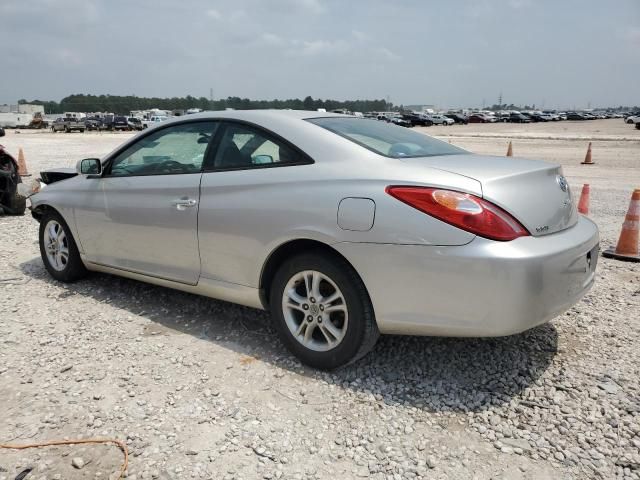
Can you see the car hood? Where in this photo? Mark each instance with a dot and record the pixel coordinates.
(56, 174)
(533, 191)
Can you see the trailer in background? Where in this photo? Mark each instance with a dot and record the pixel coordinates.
(15, 120)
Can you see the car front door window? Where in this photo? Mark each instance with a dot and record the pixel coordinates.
(173, 150)
(243, 146)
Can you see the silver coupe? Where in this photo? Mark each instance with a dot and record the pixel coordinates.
(344, 228)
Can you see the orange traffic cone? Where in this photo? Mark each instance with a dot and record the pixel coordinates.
(583, 204)
(627, 248)
(587, 158)
(22, 164)
(510, 150)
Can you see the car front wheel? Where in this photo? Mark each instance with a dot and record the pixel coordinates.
(322, 311)
(58, 249)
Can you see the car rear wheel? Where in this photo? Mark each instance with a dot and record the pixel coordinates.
(322, 311)
(58, 249)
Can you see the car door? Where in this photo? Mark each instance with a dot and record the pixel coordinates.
(142, 214)
(245, 194)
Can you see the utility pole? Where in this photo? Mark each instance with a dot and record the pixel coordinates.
(211, 98)
(500, 100)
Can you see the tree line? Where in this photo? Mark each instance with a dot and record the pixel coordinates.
(125, 104)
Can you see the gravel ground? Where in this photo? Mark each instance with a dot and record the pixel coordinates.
(203, 389)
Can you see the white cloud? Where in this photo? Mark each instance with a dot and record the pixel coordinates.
(213, 13)
(387, 54)
(360, 36)
(321, 47)
(66, 57)
(272, 39)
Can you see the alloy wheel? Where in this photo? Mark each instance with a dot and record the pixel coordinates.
(315, 310)
(56, 245)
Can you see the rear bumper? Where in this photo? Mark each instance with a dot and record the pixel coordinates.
(483, 289)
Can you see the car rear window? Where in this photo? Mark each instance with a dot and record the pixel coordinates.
(385, 138)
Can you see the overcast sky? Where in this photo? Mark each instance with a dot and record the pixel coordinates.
(448, 53)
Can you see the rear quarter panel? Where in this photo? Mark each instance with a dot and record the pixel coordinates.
(245, 215)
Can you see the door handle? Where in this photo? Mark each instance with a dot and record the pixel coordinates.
(183, 203)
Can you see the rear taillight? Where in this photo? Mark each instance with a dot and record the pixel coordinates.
(462, 210)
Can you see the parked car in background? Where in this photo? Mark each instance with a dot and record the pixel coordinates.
(136, 124)
(120, 123)
(398, 120)
(438, 119)
(478, 118)
(67, 125)
(403, 233)
(107, 121)
(93, 123)
(632, 119)
(458, 118)
(153, 120)
(575, 116)
(417, 120)
(539, 117)
(518, 118)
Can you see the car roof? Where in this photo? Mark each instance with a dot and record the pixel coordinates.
(266, 114)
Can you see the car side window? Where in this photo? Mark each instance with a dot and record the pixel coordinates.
(243, 146)
(172, 150)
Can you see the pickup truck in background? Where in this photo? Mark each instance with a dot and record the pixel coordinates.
(153, 120)
(67, 125)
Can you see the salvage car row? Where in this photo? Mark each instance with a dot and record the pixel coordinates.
(413, 119)
(108, 122)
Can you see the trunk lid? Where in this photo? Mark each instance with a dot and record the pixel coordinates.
(534, 192)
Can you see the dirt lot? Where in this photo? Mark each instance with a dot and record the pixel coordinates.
(203, 389)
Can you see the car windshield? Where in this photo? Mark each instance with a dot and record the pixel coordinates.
(386, 139)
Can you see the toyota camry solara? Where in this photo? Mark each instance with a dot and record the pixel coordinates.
(343, 228)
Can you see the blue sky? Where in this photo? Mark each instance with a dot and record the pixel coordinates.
(448, 53)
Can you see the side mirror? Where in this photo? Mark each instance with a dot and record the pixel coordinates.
(89, 166)
(262, 159)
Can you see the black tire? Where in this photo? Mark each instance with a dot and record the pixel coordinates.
(361, 331)
(17, 204)
(74, 268)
